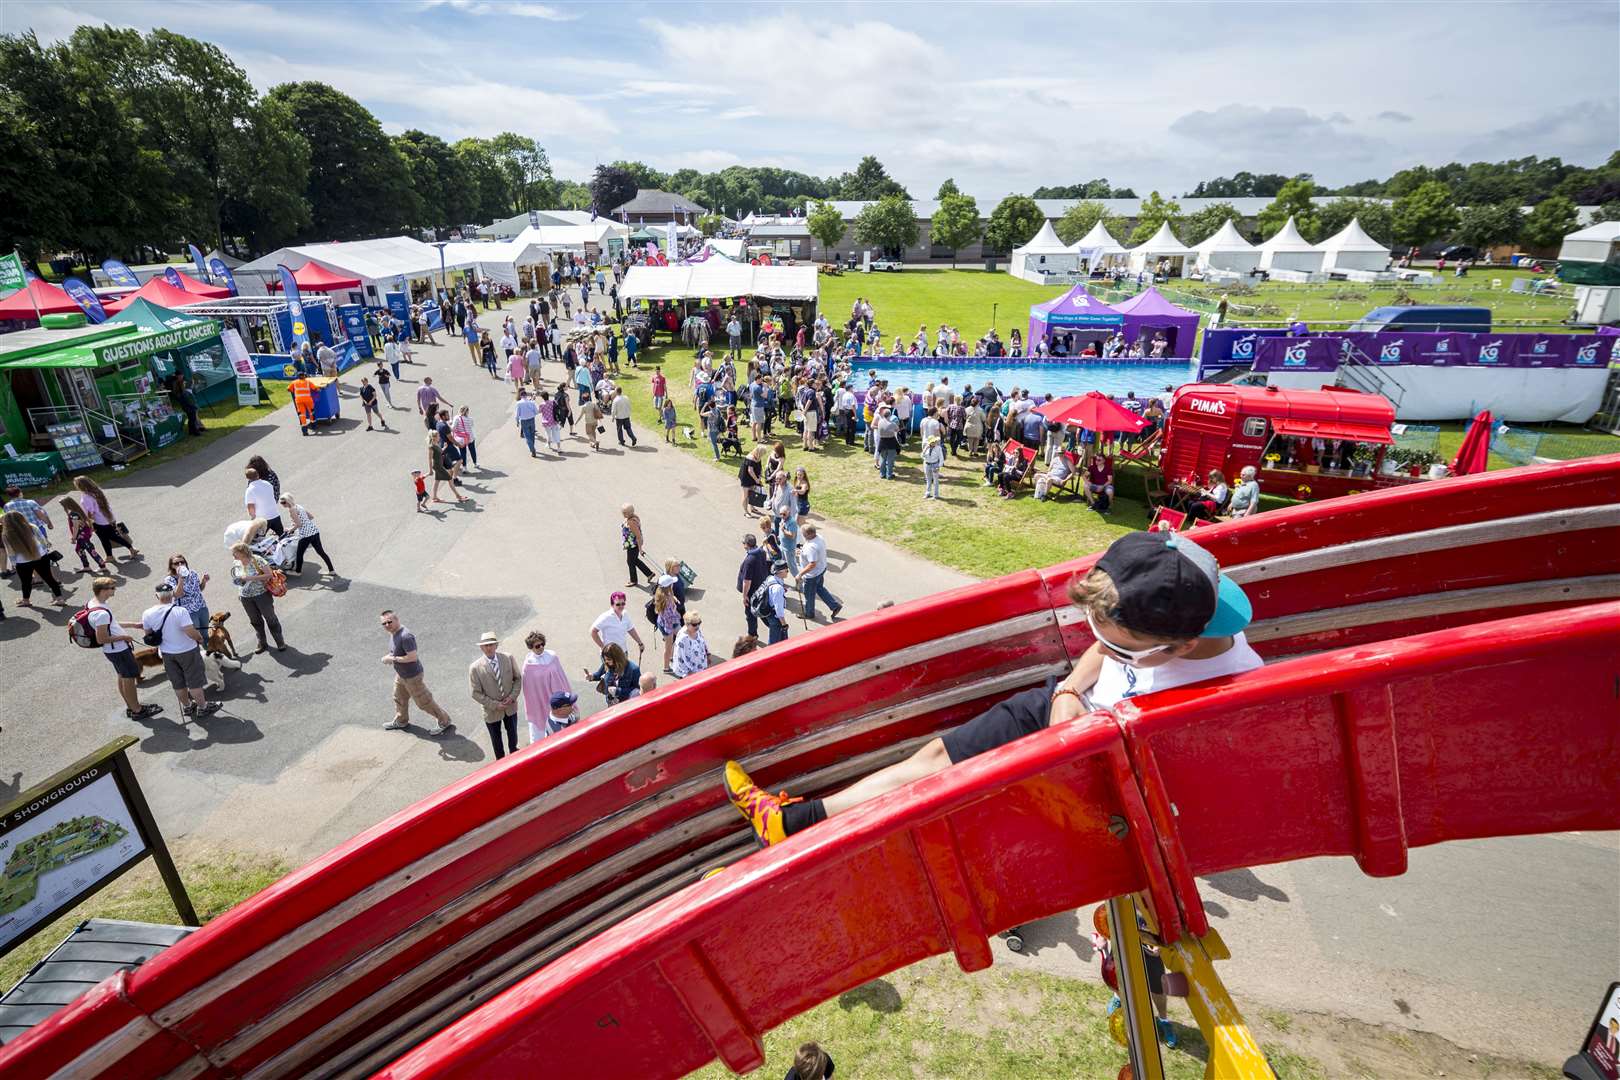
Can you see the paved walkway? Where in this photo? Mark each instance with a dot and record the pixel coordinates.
(298, 761)
(1464, 945)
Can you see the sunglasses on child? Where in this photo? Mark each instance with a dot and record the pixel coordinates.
(1132, 655)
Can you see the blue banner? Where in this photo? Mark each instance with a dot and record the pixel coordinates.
(295, 310)
(222, 273)
(398, 306)
(202, 268)
(119, 274)
(172, 276)
(80, 294)
(354, 324)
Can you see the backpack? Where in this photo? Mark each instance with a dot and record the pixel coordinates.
(80, 632)
(760, 602)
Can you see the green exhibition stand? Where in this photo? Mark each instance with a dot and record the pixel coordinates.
(31, 470)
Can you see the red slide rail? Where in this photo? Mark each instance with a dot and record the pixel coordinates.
(563, 871)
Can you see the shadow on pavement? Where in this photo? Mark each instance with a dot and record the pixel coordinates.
(1055, 931)
(300, 663)
(1243, 885)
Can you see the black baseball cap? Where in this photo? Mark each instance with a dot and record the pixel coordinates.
(1170, 587)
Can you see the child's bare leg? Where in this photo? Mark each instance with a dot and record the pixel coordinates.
(929, 759)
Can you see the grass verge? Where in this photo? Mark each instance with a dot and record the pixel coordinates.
(216, 883)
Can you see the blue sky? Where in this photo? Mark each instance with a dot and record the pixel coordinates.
(1003, 97)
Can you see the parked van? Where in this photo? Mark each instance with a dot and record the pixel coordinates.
(1426, 318)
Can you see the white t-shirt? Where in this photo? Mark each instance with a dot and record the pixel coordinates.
(260, 499)
(1119, 681)
(100, 616)
(175, 638)
(615, 629)
(620, 408)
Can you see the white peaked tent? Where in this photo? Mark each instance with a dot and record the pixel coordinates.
(1042, 256)
(1163, 244)
(1595, 243)
(1226, 250)
(1289, 251)
(1097, 246)
(1352, 249)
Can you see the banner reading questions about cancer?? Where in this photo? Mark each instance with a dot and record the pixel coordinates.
(80, 294)
(295, 309)
(223, 273)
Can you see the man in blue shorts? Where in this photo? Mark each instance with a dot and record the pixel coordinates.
(1163, 615)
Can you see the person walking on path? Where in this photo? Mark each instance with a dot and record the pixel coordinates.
(527, 413)
(630, 536)
(188, 586)
(368, 404)
(384, 386)
(409, 683)
(440, 461)
(391, 360)
(666, 617)
(621, 417)
(180, 646)
(109, 530)
(613, 627)
(493, 678)
(82, 535)
(591, 415)
(775, 613)
(251, 576)
(308, 533)
(548, 420)
(691, 650)
(669, 421)
(516, 369)
(29, 553)
(259, 500)
(428, 402)
(463, 436)
(750, 474)
(116, 646)
(813, 575)
(750, 576)
(28, 508)
(543, 679)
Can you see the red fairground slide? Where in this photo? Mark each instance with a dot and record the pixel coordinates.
(1441, 665)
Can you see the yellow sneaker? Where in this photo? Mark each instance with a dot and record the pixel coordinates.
(707, 874)
(762, 809)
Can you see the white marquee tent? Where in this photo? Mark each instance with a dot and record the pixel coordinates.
(717, 278)
(1044, 255)
(1163, 244)
(378, 263)
(1227, 251)
(1289, 251)
(1352, 249)
(1098, 246)
(499, 259)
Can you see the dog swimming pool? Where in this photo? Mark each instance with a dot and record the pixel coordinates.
(1056, 377)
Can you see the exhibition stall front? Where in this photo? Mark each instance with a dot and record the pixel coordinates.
(1163, 252)
(1045, 259)
(1098, 248)
(697, 296)
(1151, 318)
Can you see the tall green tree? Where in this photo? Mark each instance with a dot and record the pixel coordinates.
(1013, 222)
(1155, 211)
(1203, 224)
(1293, 201)
(888, 224)
(1373, 214)
(869, 181)
(956, 223)
(611, 187)
(1548, 222)
(1080, 218)
(527, 171)
(1490, 224)
(359, 185)
(826, 224)
(1425, 214)
(947, 188)
(485, 183)
(572, 195)
(1088, 189)
(644, 175)
(264, 190)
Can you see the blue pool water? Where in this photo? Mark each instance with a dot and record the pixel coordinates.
(1056, 378)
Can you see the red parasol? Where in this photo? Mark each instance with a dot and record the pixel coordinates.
(1476, 445)
(1094, 411)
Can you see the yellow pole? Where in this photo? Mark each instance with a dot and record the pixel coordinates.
(1233, 1052)
(1133, 989)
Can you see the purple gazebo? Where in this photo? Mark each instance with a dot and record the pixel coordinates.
(1149, 313)
(1076, 309)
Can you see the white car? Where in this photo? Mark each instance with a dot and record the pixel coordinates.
(888, 264)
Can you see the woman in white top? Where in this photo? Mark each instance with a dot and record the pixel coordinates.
(302, 525)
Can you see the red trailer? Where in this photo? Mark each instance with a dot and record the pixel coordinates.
(1306, 444)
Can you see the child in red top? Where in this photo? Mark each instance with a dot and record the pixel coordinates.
(659, 385)
(421, 490)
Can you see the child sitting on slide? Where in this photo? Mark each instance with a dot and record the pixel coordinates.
(1163, 615)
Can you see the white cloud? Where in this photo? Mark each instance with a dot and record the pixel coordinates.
(1284, 132)
(1584, 131)
(521, 10)
(703, 160)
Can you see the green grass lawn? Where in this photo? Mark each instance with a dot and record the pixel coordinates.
(971, 300)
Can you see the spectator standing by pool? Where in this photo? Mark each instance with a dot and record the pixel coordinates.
(888, 442)
(493, 681)
(933, 457)
(409, 682)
